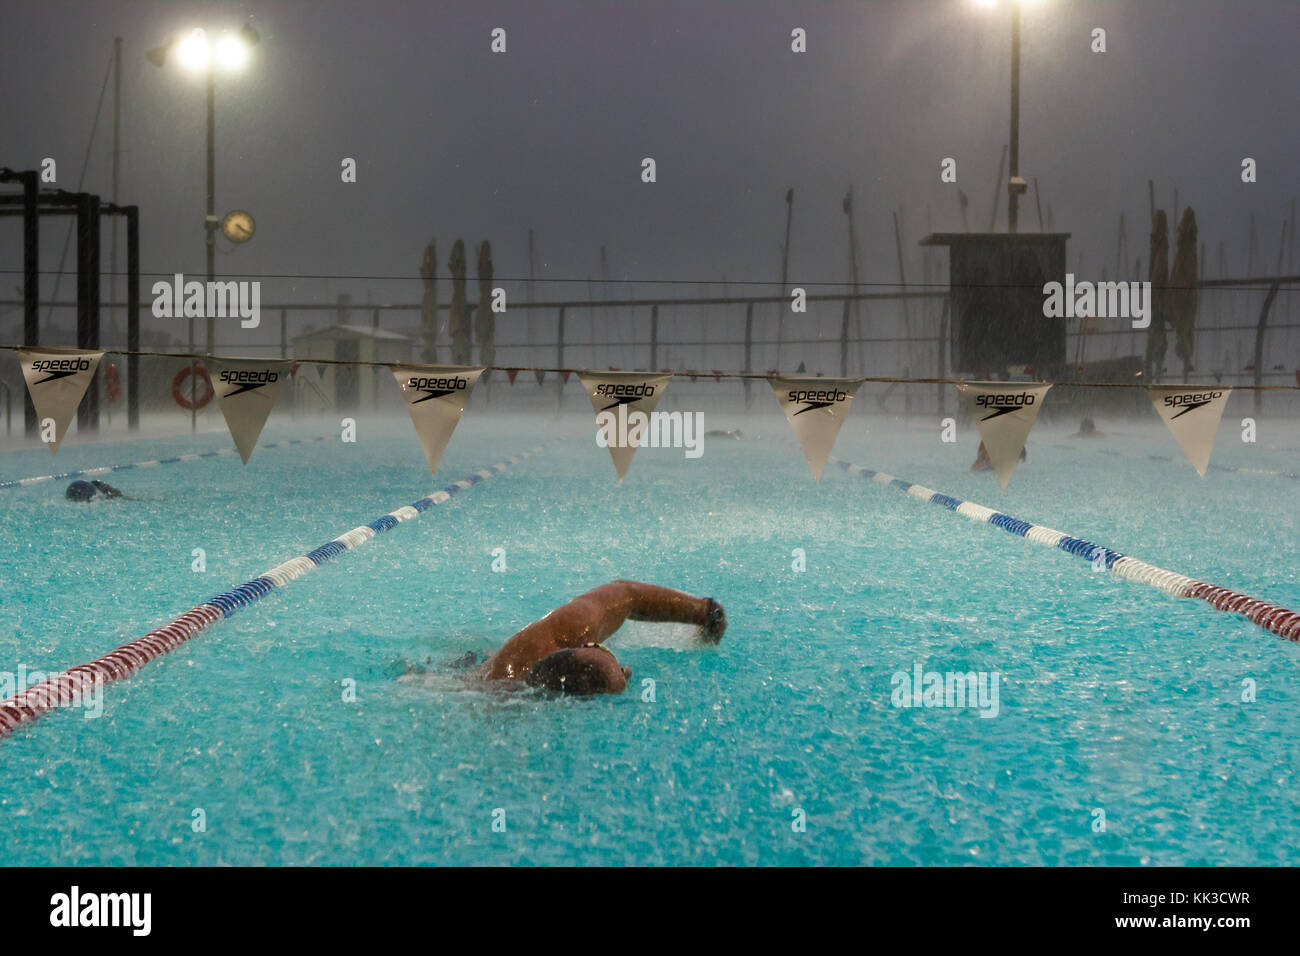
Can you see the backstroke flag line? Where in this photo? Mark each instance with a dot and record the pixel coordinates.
(1004, 413)
(56, 382)
(246, 392)
(1193, 415)
(624, 403)
(816, 408)
(436, 395)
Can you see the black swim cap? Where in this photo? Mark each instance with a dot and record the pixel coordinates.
(80, 491)
(571, 671)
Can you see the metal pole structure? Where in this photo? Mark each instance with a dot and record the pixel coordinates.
(1012, 195)
(532, 297)
(785, 273)
(654, 338)
(940, 367)
(1290, 257)
(31, 282)
(88, 299)
(559, 362)
(117, 115)
(210, 220)
(997, 188)
(209, 231)
(1259, 345)
(844, 341)
(902, 274)
(133, 315)
(92, 287)
(853, 274)
(374, 378)
(604, 285)
(749, 345)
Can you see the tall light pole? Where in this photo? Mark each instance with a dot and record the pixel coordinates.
(1016, 184)
(197, 54)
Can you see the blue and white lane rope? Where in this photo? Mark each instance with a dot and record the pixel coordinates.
(71, 685)
(151, 463)
(1271, 617)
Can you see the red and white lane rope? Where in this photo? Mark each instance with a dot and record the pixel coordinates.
(1271, 617)
(71, 686)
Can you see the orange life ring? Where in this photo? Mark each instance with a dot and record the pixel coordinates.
(200, 372)
(113, 383)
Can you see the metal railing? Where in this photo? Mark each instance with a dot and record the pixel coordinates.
(565, 333)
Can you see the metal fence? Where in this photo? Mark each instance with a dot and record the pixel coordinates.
(1246, 334)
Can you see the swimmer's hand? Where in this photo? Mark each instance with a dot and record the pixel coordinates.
(715, 623)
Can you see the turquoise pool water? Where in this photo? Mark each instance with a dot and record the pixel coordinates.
(1114, 697)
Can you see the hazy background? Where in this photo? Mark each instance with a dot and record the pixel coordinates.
(454, 141)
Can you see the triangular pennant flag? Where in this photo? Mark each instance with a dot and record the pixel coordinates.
(541, 376)
(565, 377)
(1192, 414)
(623, 403)
(436, 395)
(246, 392)
(816, 408)
(57, 381)
(511, 373)
(1004, 413)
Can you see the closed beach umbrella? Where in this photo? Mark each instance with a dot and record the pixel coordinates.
(429, 303)
(458, 325)
(484, 320)
(1182, 297)
(1158, 275)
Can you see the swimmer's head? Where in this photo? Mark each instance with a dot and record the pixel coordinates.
(80, 491)
(88, 490)
(580, 671)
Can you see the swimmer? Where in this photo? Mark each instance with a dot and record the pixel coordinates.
(1088, 429)
(982, 461)
(732, 433)
(563, 651)
(89, 490)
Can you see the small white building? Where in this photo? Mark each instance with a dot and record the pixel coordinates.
(320, 388)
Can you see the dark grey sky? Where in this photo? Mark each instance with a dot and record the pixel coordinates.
(452, 140)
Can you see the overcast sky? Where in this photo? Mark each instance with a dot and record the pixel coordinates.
(453, 141)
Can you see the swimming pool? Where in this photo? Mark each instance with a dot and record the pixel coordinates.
(1113, 697)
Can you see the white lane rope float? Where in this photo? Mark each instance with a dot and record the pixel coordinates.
(72, 685)
(151, 463)
(1272, 617)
